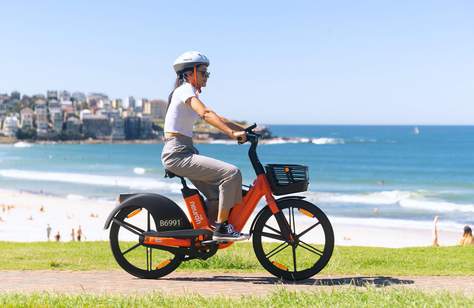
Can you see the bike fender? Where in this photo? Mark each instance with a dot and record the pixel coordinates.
(276, 201)
(160, 207)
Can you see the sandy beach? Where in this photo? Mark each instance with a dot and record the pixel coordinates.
(31, 213)
(25, 216)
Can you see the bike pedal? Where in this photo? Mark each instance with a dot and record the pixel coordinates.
(209, 242)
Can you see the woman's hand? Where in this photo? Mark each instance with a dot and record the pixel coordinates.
(240, 136)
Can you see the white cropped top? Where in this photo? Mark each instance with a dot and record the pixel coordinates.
(180, 117)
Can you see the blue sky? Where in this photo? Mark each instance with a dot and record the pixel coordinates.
(299, 62)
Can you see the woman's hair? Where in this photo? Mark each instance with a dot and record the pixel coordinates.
(467, 231)
(180, 79)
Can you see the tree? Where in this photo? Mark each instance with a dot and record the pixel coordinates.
(26, 133)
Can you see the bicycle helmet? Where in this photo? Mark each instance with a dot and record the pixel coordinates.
(189, 60)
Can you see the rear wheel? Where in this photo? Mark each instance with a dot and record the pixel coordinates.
(130, 254)
(311, 250)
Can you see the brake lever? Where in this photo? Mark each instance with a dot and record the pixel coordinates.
(251, 128)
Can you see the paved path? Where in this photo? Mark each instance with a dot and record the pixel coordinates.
(204, 283)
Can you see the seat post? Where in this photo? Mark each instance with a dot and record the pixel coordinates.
(169, 174)
(183, 181)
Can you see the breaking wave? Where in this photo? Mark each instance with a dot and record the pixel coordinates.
(319, 141)
(404, 199)
(140, 183)
(21, 144)
(139, 170)
(298, 140)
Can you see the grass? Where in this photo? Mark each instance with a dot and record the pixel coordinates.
(455, 261)
(349, 297)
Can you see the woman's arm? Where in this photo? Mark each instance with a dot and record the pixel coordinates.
(211, 117)
(231, 124)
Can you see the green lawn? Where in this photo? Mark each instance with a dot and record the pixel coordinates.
(348, 297)
(240, 257)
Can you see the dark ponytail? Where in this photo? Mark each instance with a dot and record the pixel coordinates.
(180, 79)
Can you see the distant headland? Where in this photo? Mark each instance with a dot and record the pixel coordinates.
(62, 116)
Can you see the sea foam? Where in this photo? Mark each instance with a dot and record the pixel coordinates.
(396, 223)
(21, 144)
(327, 141)
(404, 199)
(139, 170)
(139, 183)
(296, 140)
(301, 140)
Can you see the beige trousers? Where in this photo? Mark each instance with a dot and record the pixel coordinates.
(220, 182)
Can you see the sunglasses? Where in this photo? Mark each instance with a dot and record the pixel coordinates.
(205, 73)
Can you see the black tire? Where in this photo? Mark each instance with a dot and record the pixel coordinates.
(312, 258)
(132, 263)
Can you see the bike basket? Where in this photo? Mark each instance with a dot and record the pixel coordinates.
(287, 179)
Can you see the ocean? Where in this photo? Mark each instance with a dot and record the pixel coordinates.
(382, 175)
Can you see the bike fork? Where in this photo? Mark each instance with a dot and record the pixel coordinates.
(284, 227)
(281, 220)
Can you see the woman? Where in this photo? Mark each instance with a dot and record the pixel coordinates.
(435, 232)
(467, 238)
(219, 181)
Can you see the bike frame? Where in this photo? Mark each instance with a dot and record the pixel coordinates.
(239, 214)
(238, 217)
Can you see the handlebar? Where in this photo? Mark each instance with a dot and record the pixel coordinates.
(251, 128)
(252, 137)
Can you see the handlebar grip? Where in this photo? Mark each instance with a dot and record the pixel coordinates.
(250, 135)
(251, 127)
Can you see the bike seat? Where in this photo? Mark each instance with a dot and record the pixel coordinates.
(169, 174)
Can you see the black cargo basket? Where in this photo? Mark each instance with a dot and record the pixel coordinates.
(287, 179)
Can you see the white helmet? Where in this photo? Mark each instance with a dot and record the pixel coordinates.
(188, 60)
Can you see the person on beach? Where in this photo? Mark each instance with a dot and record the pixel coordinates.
(466, 238)
(48, 231)
(220, 182)
(57, 237)
(73, 235)
(79, 234)
(435, 232)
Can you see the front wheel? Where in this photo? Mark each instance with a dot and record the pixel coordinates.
(308, 254)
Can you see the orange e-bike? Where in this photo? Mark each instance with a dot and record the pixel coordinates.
(150, 235)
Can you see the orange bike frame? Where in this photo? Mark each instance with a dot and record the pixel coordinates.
(242, 211)
(238, 217)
